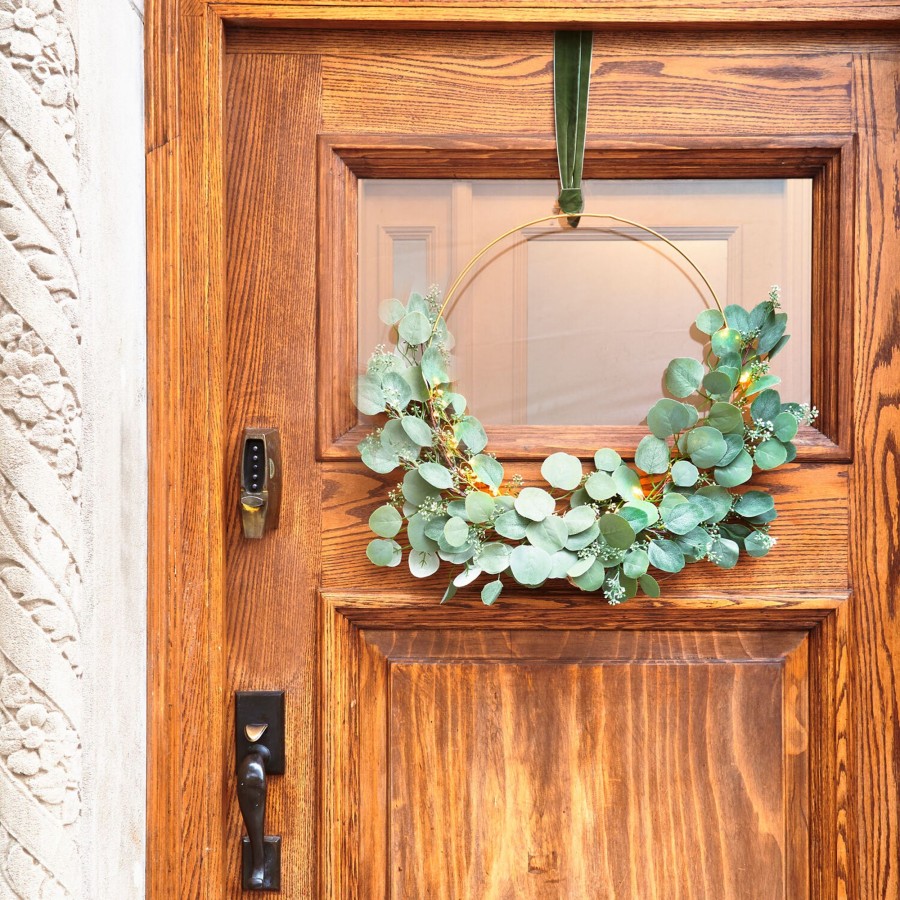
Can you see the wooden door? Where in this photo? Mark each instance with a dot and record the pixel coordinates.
(729, 740)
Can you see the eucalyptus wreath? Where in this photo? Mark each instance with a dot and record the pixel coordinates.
(601, 529)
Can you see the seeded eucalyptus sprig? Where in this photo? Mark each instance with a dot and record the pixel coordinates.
(603, 529)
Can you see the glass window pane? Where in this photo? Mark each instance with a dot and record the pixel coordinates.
(576, 327)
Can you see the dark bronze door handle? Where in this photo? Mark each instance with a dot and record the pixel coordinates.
(251, 788)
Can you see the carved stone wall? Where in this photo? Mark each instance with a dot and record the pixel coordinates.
(41, 565)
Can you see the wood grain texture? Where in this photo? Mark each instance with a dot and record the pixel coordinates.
(875, 500)
(204, 383)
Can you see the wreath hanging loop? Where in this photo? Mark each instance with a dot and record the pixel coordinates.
(603, 528)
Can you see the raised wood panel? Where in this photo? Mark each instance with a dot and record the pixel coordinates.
(602, 764)
(810, 559)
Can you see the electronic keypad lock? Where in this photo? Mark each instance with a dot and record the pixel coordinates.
(260, 481)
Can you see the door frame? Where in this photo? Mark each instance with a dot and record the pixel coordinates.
(187, 711)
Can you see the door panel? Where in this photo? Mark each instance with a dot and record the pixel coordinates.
(552, 746)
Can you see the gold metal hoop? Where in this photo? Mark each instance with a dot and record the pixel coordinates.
(555, 217)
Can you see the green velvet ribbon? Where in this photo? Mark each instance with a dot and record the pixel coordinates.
(571, 84)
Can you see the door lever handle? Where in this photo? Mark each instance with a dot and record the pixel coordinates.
(251, 789)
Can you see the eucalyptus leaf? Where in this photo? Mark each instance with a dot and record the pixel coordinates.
(771, 333)
(415, 531)
(636, 563)
(737, 317)
(413, 377)
(434, 366)
(435, 474)
(682, 518)
(378, 458)
(579, 519)
(725, 341)
(779, 346)
(720, 499)
(785, 426)
(718, 383)
(391, 311)
(754, 503)
(368, 396)
(467, 576)
(665, 555)
(384, 552)
(434, 527)
(761, 384)
(456, 531)
(580, 566)
(738, 471)
(668, 417)
(487, 470)
(616, 531)
(652, 455)
(535, 504)
(396, 390)
(724, 553)
(562, 470)
(766, 406)
(479, 506)
(414, 328)
(560, 563)
(649, 585)
(550, 534)
(726, 417)
(581, 540)
(529, 565)
(709, 321)
(757, 544)
(600, 486)
(397, 441)
(734, 444)
(449, 592)
(470, 431)
(493, 557)
(705, 445)
(421, 565)
(683, 376)
(628, 484)
(510, 525)
(607, 460)
(417, 430)
(770, 454)
(684, 474)
(386, 521)
(593, 578)
(491, 591)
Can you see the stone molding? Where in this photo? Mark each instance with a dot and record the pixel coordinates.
(41, 568)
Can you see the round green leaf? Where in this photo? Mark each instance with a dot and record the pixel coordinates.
(487, 470)
(396, 390)
(616, 531)
(785, 426)
(726, 417)
(561, 562)
(418, 431)
(600, 486)
(607, 460)
(435, 474)
(705, 445)
(738, 471)
(709, 321)
(580, 518)
(683, 376)
(423, 564)
(718, 383)
(668, 417)
(757, 544)
(628, 484)
(652, 455)
(580, 566)
(684, 474)
(550, 534)
(754, 503)
(413, 377)
(640, 514)
(583, 538)
(415, 531)
(535, 504)
(378, 458)
(771, 333)
(479, 506)
(414, 328)
(456, 531)
(416, 489)
(368, 396)
(593, 578)
(529, 565)
(770, 454)
(666, 556)
(720, 500)
(649, 585)
(385, 521)
(434, 366)
(635, 563)
(562, 470)
(682, 518)
(395, 439)
(470, 432)
(493, 558)
(384, 553)
(724, 553)
(766, 406)
(510, 525)
(726, 340)
(391, 311)
(490, 592)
